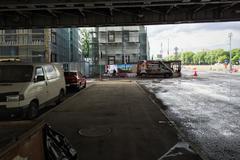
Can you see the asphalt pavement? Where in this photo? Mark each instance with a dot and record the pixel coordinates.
(116, 120)
(206, 108)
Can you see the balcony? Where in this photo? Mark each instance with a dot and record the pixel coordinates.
(15, 43)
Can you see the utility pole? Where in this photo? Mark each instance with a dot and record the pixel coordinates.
(161, 51)
(123, 52)
(168, 47)
(230, 48)
(176, 52)
(69, 50)
(99, 54)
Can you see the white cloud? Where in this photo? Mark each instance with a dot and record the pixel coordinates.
(194, 37)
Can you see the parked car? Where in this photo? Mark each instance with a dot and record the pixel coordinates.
(26, 88)
(74, 79)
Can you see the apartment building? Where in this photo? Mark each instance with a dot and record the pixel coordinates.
(41, 45)
(75, 46)
(119, 45)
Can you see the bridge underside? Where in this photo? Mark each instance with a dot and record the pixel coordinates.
(85, 13)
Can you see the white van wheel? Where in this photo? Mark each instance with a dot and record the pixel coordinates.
(32, 110)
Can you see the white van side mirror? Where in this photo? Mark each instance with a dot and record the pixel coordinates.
(39, 78)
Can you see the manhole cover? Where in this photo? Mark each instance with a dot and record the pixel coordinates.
(94, 131)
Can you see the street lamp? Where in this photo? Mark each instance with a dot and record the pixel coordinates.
(230, 48)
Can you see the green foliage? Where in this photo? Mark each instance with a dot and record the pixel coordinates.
(172, 58)
(207, 57)
(187, 57)
(236, 56)
(236, 59)
(200, 58)
(222, 58)
(85, 40)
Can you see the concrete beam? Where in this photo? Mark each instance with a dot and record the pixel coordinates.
(55, 13)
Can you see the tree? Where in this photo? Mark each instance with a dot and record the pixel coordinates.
(235, 51)
(236, 56)
(187, 57)
(199, 58)
(85, 40)
(236, 59)
(222, 58)
(209, 57)
(172, 58)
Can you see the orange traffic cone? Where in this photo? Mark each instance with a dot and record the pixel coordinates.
(195, 72)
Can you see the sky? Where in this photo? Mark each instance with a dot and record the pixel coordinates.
(193, 37)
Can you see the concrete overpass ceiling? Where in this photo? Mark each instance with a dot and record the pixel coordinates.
(73, 13)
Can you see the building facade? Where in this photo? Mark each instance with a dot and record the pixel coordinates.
(119, 45)
(75, 46)
(41, 45)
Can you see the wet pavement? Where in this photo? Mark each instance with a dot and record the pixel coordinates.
(205, 108)
(117, 120)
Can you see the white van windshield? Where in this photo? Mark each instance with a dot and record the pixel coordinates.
(15, 73)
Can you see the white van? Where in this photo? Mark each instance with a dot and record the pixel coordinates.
(26, 88)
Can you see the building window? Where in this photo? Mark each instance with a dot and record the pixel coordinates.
(94, 35)
(53, 38)
(10, 31)
(127, 59)
(37, 30)
(37, 56)
(53, 57)
(8, 51)
(10, 38)
(111, 60)
(1, 39)
(125, 36)
(37, 38)
(111, 36)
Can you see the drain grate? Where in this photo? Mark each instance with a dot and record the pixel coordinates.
(95, 131)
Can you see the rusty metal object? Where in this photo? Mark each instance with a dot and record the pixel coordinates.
(29, 145)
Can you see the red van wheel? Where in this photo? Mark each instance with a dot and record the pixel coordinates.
(143, 75)
(85, 84)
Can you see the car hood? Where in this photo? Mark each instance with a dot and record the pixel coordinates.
(12, 87)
